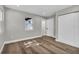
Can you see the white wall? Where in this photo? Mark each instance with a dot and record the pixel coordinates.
(68, 29)
(15, 25)
(50, 27)
(74, 8)
(2, 35)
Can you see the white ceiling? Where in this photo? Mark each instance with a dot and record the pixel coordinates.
(42, 10)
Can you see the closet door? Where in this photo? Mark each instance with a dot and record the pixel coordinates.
(68, 29)
(50, 27)
(43, 21)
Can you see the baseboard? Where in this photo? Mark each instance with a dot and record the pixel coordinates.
(2, 48)
(51, 36)
(68, 43)
(16, 40)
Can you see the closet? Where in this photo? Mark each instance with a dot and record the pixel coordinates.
(68, 29)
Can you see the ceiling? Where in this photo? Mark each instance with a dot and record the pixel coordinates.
(41, 10)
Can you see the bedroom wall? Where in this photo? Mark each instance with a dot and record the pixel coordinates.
(2, 35)
(15, 25)
(73, 8)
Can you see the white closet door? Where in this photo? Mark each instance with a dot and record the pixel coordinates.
(68, 29)
(43, 27)
(50, 27)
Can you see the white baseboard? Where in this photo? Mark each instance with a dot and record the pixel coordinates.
(2, 48)
(12, 41)
(16, 40)
(51, 36)
(74, 45)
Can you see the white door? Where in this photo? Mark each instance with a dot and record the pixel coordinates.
(43, 27)
(50, 27)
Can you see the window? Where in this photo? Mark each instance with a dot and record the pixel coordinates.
(28, 24)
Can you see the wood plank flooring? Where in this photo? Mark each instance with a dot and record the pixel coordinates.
(42, 45)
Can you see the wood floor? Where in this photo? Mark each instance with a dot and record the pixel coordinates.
(41, 45)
